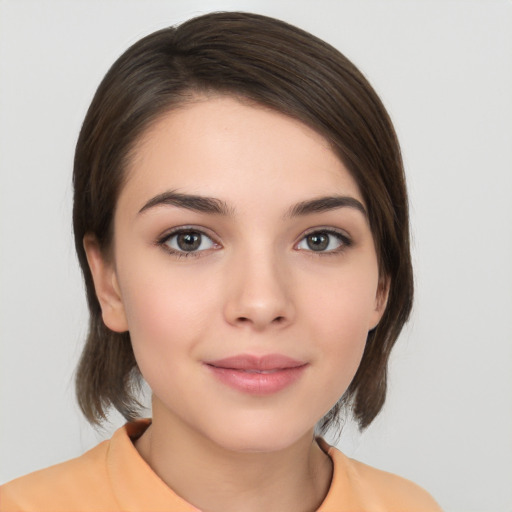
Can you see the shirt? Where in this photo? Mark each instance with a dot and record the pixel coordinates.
(114, 477)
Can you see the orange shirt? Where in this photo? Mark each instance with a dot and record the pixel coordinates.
(114, 477)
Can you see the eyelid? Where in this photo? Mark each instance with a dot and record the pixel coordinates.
(326, 229)
(342, 235)
(185, 227)
(162, 240)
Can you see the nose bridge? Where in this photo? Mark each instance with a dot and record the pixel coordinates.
(259, 290)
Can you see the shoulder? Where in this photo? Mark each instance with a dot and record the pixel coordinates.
(398, 492)
(377, 490)
(70, 484)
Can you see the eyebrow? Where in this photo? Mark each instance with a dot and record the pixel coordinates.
(324, 204)
(216, 206)
(190, 202)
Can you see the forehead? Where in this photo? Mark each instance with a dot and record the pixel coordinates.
(239, 152)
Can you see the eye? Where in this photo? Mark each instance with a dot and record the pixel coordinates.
(327, 241)
(187, 241)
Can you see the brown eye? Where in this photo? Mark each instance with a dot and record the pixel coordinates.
(188, 241)
(324, 242)
(318, 241)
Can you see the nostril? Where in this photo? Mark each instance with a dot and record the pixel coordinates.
(276, 320)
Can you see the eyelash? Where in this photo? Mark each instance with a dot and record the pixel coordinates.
(163, 241)
(344, 239)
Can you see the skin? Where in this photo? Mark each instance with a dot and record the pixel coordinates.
(255, 287)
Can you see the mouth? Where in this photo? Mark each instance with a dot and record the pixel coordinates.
(258, 375)
(264, 372)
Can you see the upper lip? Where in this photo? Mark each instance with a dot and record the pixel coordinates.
(251, 362)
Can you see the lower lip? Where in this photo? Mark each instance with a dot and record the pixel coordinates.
(258, 383)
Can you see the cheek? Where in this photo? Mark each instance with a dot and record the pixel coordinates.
(342, 313)
(344, 304)
(166, 311)
(167, 320)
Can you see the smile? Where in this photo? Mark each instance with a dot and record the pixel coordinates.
(257, 375)
(259, 371)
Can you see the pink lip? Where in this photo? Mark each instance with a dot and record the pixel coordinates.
(257, 375)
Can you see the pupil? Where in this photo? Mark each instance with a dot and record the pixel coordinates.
(189, 241)
(318, 241)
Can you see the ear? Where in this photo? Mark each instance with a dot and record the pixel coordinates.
(381, 301)
(106, 285)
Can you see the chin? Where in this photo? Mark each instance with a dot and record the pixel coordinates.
(261, 437)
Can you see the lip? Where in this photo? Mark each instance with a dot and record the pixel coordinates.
(258, 375)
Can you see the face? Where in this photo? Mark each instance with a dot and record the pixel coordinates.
(245, 271)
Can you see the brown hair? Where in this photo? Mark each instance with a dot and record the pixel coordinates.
(281, 67)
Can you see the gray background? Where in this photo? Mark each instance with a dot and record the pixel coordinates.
(443, 69)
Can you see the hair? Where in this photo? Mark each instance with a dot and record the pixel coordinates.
(275, 65)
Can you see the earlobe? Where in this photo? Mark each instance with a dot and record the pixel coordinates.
(381, 301)
(106, 285)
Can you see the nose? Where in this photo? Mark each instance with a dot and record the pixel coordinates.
(259, 293)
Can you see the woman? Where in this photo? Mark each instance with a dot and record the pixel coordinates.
(241, 220)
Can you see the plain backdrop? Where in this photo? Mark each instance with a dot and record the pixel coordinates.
(444, 71)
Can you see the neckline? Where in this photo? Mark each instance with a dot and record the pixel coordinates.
(137, 487)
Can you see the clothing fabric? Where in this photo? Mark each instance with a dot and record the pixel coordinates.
(114, 477)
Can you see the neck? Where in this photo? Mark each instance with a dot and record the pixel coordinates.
(216, 479)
